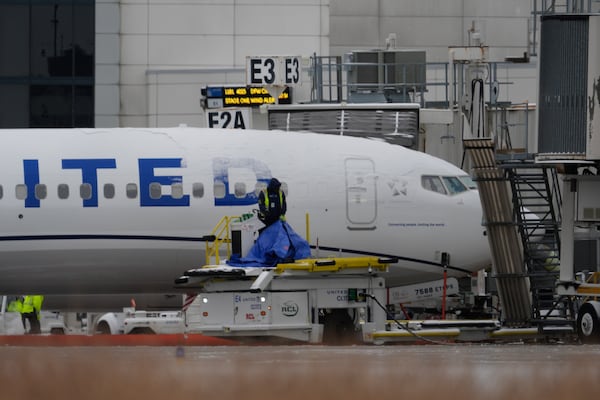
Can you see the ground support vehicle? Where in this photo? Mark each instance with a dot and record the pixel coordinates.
(311, 300)
(332, 301)
(322, 300)
(132, 321)
(157, 322)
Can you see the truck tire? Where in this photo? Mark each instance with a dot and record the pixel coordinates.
(338, 328)
(103, 328)
(588, 326)
(142, 331)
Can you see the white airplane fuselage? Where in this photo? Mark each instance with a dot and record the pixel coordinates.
(101, 211)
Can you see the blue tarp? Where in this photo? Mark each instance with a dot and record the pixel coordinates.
(276, 244)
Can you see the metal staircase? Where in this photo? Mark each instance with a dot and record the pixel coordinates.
(536, 200)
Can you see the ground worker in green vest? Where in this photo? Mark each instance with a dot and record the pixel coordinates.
(15, 305)
(30, 311)
(271, 203)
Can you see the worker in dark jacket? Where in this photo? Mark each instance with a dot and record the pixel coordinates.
(271, 203)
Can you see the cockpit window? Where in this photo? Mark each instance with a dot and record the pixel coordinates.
(448, 185)
(468, 182)
(433, 183)
(454, 184)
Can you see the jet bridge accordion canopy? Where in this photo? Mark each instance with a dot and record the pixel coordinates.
(569, 92)
(393, 122)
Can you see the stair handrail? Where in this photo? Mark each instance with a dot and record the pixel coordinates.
(222, 235)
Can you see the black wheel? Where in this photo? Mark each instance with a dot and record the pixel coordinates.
(103, 328)
(142, 331)
(588, 326)
(338, 328)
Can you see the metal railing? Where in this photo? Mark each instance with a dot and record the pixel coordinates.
(541, 7)
(222, 235)
(550, 7)
(333, 82)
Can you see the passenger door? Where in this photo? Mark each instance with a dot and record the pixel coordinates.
(361, 194)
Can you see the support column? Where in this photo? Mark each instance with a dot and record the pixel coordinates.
(567, 240)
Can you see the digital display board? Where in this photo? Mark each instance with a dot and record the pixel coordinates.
(243, 96)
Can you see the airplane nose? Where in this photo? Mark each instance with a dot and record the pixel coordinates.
(472, 203)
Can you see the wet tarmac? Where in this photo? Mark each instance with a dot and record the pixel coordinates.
(508, 371)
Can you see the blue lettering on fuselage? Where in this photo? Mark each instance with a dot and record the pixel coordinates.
(221, 166)
(89, 174)
(147, 176)
(32, 177)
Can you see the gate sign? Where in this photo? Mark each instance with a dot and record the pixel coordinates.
(228, 118)
(273, 70)
(242, 96)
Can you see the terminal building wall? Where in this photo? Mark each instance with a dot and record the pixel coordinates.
(168, 52)
(152, 57)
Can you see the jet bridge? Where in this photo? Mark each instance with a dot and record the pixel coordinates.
(396, 123)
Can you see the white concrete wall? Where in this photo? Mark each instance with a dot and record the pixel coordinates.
(432, 25)
(170, 49)
(154, 56)
(174, 94)
(106, 90)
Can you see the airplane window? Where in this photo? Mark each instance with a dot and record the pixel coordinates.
(468, 182)
(63, 191)
(198, 190)
(259, 187)
(109, 190)
(1, 192)
(131, 190)
(239, 189)
(219, 189)
(85, 191)
(454, 184)
(21, 191)
(177, 190)
(433, 183)
(155, 190)
(40, 191)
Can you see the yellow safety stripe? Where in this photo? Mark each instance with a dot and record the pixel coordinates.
(332, 264)
(591, 289)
